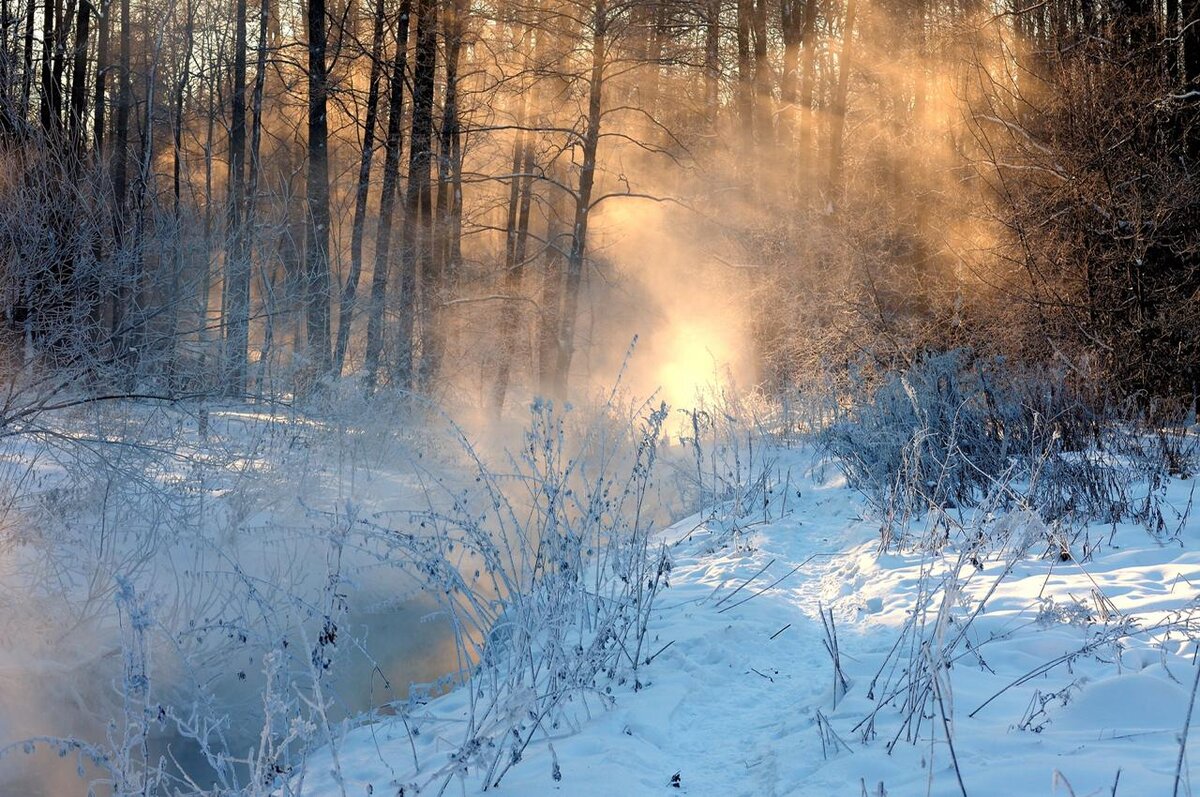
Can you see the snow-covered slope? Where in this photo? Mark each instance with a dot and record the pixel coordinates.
(1050, 675)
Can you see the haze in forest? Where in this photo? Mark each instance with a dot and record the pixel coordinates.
(365, 217)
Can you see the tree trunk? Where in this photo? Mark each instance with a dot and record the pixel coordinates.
(387, 201)
(1191, 44)
(791, 24)
(8, 111)
(122, 296)
(712, 63)
(1191, 69)
(838, 120)
(550, 315)
(79, 83)
(49, 110)
(62, 27)
(745, 84)
(206, 269)
(235, 315)
(100, 99)
(654, 58)
(449, 195)
(177, 200)
(362, 192)
(762, 77)
(583, 200)
(137, 306)
(416, 261)
(316, 250)
(516, 229)
(250, 226)
(27, 74)
(1171, 43)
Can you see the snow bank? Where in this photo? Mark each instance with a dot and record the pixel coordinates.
(1063, 677)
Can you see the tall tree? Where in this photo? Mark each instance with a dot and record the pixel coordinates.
(78, 104)
(837, 124)
(1191, 44)
(712, 57)
(516, 233)
(27, 76)
(745, 73)
(316, 250)
(235, 298)
(1191, 71)
(9, 113)
(583, 196)
(393, 144)
(807, 80)
(122, 297)
(178, 99)
(99, 96)
(50, 99)
(418, 271)
(449, 194)
(762, 76)
(255, 169)
(361, 193)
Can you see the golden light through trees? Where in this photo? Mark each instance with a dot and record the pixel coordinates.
(441, 196)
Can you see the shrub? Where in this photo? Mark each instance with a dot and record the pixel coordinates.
(942, 432)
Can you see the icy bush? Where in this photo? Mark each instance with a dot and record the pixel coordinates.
(548, 573)
(945, 431)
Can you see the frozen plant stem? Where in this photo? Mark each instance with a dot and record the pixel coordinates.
(1187, 723)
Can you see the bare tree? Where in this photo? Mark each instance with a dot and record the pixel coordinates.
(316, 258)
(362, 190)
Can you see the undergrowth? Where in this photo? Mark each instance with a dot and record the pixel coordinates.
(980, 468)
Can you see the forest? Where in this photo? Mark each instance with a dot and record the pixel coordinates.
(724, 396)
(488, 200)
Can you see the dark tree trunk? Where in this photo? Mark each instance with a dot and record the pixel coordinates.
(449, 195)
(250, 224)
(316, 250)
(79, 82)
(122, 296)
(550, 315)
(393, 146)
(362, 192)
(745, 84)
(516, 229)
(137, 305)
(807, 79)
(100, 98)
(1191, 44)
(175, 299)
(27, 74)
(1171, 41)
(583, 199)
(417, 267)
(50, 99)
(206, 261)
(838, 120)
(235, 310)
(1191, 70)
(8, 111)
(712, 55)
(791, 24)
(762, 76)
(1140, 21)
(62, 27)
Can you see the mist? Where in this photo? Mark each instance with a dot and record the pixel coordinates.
(329, 330)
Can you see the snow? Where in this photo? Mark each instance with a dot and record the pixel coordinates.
(741, 700)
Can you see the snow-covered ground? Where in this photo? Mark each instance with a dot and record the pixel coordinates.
(1049, 675)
